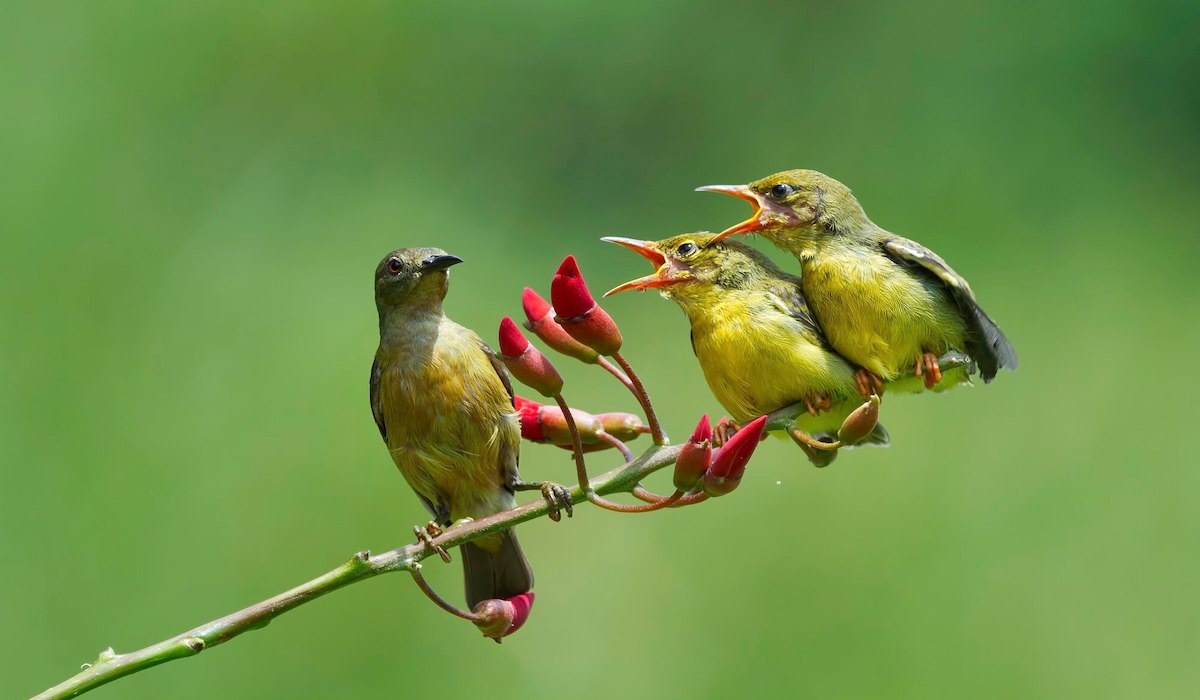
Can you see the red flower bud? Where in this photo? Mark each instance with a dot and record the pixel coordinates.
(541, 321)
(729, 463)
(536, 308)
(622, 426)
(860, 422)
(694, 458)
(531, 425)
(579, 314)
(500, 618)
(569, 291)
(526, 362)
(542, 423)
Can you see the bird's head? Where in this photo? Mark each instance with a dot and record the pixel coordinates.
(412, 277)
(795, 200)
(694, 268)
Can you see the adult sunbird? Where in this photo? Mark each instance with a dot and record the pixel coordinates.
(444, 406)
(886, 303)
(758, 344)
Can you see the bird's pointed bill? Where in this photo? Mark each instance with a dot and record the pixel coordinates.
(439, 262)
(663, 274)
(754, 223)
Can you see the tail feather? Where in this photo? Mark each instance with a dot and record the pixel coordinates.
(992, 349)
(502, 573)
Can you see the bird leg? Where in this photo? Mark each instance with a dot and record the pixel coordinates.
(869, 383)
(927, 367)
(425, 535)
(816, 403)
(557, 495)
(723, 430)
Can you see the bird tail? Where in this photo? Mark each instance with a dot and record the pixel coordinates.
(495, 568)
(994, 352)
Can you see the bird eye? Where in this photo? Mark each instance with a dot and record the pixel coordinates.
(395, 266)
(781, 191)
(687, 248)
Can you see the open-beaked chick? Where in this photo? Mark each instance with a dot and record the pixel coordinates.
(886, 303)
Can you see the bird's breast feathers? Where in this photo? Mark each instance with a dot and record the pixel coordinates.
(447, 413)
(877, 314)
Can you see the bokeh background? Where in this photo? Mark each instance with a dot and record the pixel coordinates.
(193, 197)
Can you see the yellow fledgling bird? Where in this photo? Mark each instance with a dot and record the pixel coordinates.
(444, 406)
(758, 344)
(886, 303)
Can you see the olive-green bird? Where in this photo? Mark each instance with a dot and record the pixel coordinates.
(758, 344)
(444, 406)
(886, 303)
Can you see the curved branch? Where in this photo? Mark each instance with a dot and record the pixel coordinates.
(111, 666)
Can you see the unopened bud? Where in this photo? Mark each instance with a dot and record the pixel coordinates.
(540, 320)
(500, 618)
(729, 463)
(579, 314)
(694, 457)
(526, 362)
(531, 425)
(554, 425)
(622, 426)
(860, 422)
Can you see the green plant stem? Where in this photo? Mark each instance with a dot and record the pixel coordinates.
(111, 666)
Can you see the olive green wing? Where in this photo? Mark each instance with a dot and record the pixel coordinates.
(510, 455)
(376, 402)
(986, 343)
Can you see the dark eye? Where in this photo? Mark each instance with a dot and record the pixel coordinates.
(781, 191)
(687, 248)
(395, 266)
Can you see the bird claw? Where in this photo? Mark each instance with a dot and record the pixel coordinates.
(722, 431)
(928, 368)
(425, 535)
(869, 383)
(556, 495)
(816, 403)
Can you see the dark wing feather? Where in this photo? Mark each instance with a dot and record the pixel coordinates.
(509, 459)
(793, 303)
(376, 402)
(986, 343)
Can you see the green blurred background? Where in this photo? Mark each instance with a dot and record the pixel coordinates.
(194, 196)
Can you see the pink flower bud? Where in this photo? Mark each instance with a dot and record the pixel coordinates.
(579, 314)
(541, 321)
(694, 457)
(526, 362)
(500, 618)
(622, 426)
(860, 422)
(729, 463)
(554, 425)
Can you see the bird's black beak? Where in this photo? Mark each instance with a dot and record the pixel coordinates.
(439, 262)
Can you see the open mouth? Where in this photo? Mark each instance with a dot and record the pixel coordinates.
(664, 272)
(757, 220)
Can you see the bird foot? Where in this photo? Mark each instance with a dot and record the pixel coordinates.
(723, 430)
(557, 495)
(425, 535)
(927, 367)
(869, 383)
(816, 403)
